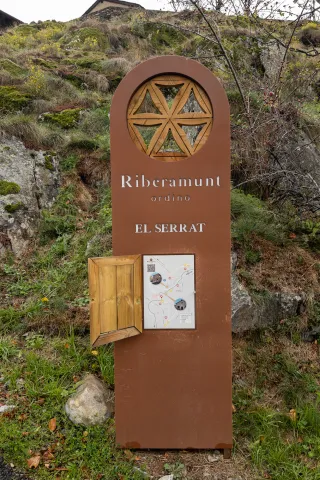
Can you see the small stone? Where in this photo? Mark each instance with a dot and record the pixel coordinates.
(20, 382)
(7, 408)
(91, 404)
(167, 477)
(144, 474)
(214, 458)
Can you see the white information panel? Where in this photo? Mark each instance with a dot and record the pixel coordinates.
(169, 291)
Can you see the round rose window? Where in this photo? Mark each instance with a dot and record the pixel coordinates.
(170, 118)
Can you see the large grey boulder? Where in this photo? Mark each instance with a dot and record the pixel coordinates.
(29, 181)
(262, 311)
(271, 57)
(91, 404)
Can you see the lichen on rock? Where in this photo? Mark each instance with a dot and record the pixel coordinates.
(29, 187)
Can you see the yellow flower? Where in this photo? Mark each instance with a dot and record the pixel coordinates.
(94, 352)
(44, 299)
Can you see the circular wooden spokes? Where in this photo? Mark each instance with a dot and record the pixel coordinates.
(170, 118)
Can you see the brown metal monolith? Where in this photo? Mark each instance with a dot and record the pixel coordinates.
(173, 387)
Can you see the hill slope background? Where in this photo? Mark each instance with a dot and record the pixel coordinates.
(56, 86)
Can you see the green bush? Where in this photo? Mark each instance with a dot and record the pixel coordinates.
(81, 142)
(310, 34)
(95, 122)
(61, 218)
(69, 163)
(252, 218)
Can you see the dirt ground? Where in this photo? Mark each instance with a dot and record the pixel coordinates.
(208, 465)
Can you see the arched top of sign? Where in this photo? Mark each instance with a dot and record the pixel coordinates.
(170, 117)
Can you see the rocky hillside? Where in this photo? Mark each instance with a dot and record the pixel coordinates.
(56, 86)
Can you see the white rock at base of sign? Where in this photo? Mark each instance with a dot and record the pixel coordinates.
(6, 408)
(91, 404)
(167, 477)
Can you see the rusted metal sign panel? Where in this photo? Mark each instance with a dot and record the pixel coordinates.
(170, 157)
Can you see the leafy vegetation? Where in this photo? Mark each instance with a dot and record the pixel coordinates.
(251, 218)
(56, 85)
(65, 119)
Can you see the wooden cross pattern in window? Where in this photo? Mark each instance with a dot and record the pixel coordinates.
(170, 118)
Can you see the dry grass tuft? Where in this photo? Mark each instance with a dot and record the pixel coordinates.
(33, 135)
(92, 170)
(289, 269)
(97, 81)
(115, 66)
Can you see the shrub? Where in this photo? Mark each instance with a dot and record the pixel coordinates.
(8, 188)
(65, 119)
(252, 218)
(61, 218)
(36, 82)
(115, 69)
(53, 226)
(81, 141)
(69, 163)
(310, 34)
(12, 100)
(95, 122)
(115, 66)
(97, 81)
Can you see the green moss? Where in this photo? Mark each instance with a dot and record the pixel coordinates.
(161, 38)
(7, 188)
(12, 68)
(49, 162)
(88, 36)
(12, 100)
(65, 119)
(13, 207)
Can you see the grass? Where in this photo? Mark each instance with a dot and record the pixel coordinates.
(277, 416)
(276, 433)
(44, 374)
(251, 217)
